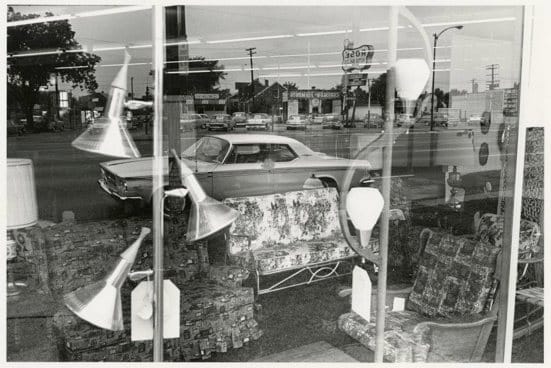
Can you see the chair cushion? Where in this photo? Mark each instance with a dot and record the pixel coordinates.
(284, 218)
(401, 345)
(490, 228)
(455, 276)
(295, 255)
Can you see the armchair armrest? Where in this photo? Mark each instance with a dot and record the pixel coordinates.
(455, 340)
(247, 237)
(391, 294)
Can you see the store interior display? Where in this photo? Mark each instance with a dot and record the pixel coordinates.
(390, 243)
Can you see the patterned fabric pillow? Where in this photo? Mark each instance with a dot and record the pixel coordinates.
(455, 275)
(490, 228)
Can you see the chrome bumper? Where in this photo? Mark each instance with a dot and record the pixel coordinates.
(113, 194)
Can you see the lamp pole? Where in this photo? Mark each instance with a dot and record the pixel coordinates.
(436, 36)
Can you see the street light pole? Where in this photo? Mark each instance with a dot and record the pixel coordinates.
(436, 36)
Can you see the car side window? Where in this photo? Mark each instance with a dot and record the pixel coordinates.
(281, 153)
(248, 154)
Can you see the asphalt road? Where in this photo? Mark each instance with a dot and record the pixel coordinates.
(66, 178)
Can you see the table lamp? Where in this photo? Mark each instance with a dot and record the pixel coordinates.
(22, 208)
(108, 135)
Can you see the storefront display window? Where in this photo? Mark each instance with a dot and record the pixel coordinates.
(248, 161)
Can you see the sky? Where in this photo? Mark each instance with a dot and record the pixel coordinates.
(308, 60)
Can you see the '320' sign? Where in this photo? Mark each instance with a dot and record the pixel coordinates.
(357, 58)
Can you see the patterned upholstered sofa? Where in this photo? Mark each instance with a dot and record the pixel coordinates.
(295, 231)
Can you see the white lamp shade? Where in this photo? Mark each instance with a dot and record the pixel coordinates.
(411, 77)
(22, 208)
(364, 206)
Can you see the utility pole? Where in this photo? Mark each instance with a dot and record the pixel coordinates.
(474, 86)
(493, 74)
(56, 116)
(132, 87)
(251, 53)
(369, 101)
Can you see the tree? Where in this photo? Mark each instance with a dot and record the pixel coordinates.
(290, 86)
(440, 98)
(378, 90)
(207, 80)
(27, 74)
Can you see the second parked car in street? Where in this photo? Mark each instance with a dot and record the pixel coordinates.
(259, 121)
(297, 122)
(220, 121)
(239, 119)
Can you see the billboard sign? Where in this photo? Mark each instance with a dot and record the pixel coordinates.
(310, 94)
(207, 96)
(357, 58)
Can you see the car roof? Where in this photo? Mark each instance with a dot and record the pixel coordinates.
(256, 138)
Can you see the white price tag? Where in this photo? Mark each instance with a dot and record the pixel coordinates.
(142, 311)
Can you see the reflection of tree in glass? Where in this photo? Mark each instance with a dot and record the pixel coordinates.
(27, 74)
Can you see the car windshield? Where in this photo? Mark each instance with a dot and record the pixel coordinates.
(208, 149)
(260, 116)
(238, 114)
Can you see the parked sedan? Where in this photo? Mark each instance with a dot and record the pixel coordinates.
(239, 119)
(332, 121)
(259, 121)
(297, 122)
(233, 165)
(192, 121)
(220, 121)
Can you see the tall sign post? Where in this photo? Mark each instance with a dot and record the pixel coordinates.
(358, 58)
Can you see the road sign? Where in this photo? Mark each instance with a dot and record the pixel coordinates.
(357, 58)
(357, 79)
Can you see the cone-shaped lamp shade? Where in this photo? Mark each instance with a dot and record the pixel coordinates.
(108, 135)
(411, 77)
(100, 303)
(364, 206)
(207, 214)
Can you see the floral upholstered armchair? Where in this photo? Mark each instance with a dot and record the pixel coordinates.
(449, 310)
